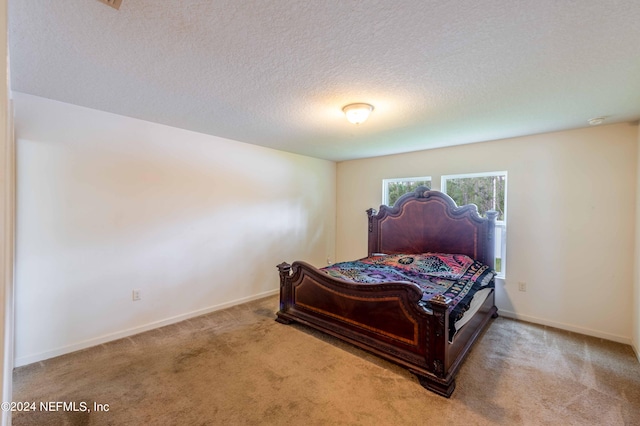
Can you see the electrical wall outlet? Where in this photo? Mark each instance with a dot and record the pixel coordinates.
(522, 286)
(135, 295)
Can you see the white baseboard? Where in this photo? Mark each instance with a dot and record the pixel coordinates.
(567, 327)
(29, 359)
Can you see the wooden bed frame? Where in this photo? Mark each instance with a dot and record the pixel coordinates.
(386, 319)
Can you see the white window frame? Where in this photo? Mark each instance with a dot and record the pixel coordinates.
(385, 185)
(501, 225)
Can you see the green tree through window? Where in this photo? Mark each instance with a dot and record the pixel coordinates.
(486, 192)
(396, 188)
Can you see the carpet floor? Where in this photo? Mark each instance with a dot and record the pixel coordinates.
(239, 367)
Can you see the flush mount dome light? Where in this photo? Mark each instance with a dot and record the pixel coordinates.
(357, 113)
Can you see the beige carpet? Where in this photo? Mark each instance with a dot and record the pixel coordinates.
(238, 366)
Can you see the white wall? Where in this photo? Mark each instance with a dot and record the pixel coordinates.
(7, 206)
(636, 283)
(571, 216)
(108, 204)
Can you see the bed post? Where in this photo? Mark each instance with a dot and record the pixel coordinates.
(439, 305)
(284, 269)
(490, 258)
(437, 354)
(373, 239)
(285, 272)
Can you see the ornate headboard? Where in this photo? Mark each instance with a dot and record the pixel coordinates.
(429, 221)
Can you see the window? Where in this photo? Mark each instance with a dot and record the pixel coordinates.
(488, 191)
(392, 189)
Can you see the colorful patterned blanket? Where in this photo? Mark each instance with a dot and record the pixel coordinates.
(455, 276)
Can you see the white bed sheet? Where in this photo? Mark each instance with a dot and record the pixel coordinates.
(476, 303)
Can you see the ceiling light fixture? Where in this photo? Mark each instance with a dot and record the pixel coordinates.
(357, 113)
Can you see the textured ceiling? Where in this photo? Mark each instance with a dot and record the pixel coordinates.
(277, 72)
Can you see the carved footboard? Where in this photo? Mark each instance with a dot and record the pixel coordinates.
(385, 319)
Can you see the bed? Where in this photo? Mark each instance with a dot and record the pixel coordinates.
(398, 320)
